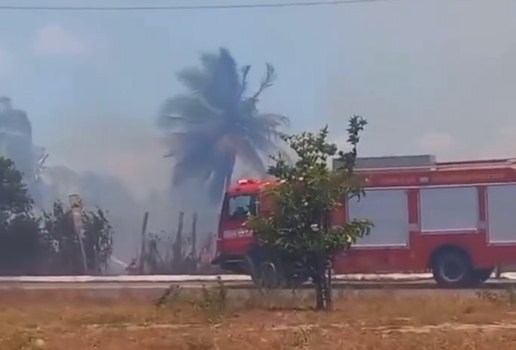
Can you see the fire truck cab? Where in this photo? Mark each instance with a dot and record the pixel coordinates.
(457, 219)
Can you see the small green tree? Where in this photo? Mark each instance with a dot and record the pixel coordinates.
(62, 242)
(299, 227)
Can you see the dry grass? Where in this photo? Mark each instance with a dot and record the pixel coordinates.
(213, 320)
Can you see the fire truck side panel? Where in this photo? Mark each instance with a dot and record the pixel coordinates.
(481, 222)
(388, 210)
(501, 214)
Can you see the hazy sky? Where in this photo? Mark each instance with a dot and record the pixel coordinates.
(431, 76)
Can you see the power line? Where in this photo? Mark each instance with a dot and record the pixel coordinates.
(189, 7)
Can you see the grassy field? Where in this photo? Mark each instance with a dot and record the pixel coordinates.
(211, 319)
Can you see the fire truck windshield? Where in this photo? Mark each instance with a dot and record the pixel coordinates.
(241, 205)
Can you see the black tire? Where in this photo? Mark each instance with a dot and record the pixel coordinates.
(250, 266)
(265, 273)
(452, 268)
(271, 274)
(276, 275)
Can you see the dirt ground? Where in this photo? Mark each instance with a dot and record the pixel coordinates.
(211, 319)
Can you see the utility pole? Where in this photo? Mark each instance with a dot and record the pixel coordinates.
(194, 236)
(178, 244)
(143, 252)
(76, 212)
(193, 260)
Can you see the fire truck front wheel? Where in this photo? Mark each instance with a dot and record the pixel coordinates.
(270, 273)
(265, 273)
(452, 268)
(273, 275)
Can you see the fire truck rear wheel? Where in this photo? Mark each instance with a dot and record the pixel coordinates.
(452, 268)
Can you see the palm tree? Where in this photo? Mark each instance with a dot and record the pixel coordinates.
(217, 122)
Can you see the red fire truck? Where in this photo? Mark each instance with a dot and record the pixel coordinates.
(457, 219)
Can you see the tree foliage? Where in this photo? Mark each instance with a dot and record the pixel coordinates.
(14, 199)
(19, 229)
(299, 226)
(217, 121)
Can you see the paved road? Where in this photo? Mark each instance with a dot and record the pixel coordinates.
(198, 278)
(354, 285)
(152, 290)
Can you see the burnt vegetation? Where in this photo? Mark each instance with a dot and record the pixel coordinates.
(46, 244)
